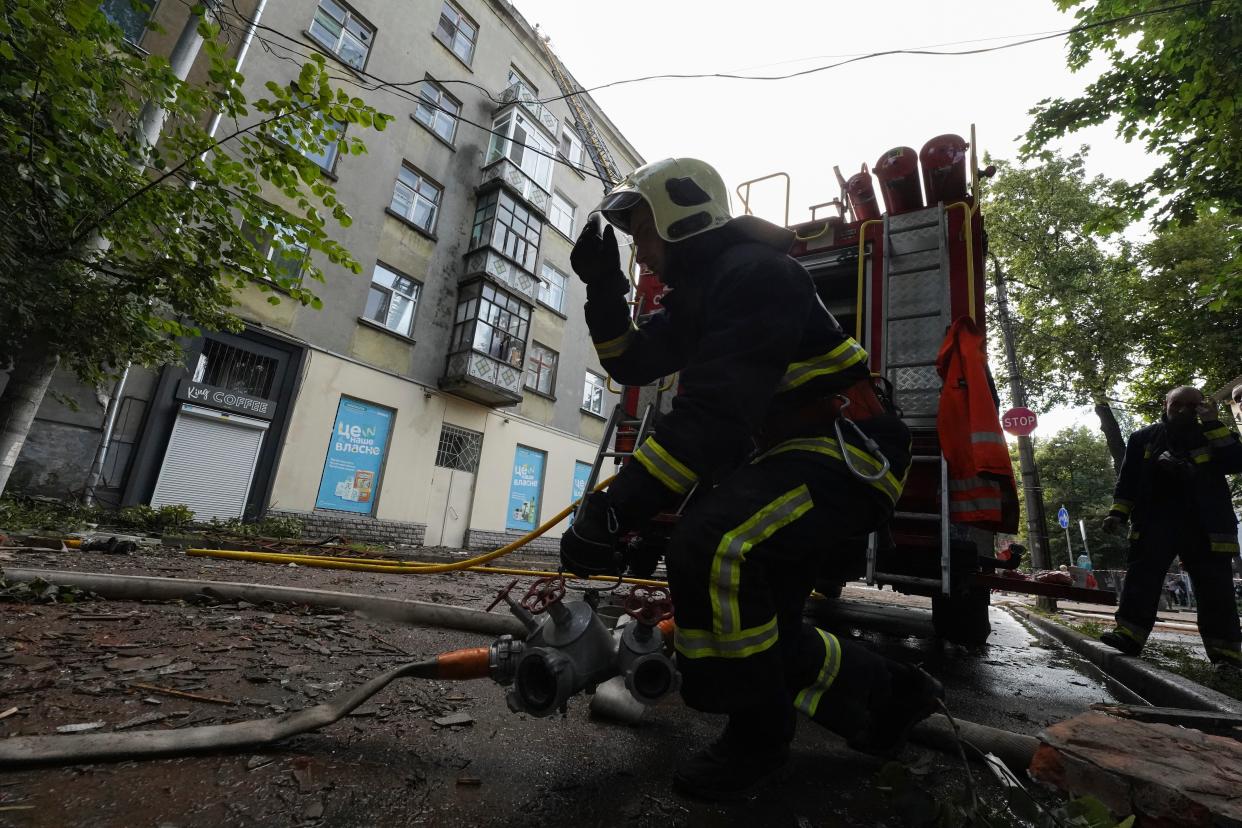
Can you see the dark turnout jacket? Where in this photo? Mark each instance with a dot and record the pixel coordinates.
(1192, 476)
(743, 325)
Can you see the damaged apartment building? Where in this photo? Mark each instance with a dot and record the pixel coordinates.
(449, 395)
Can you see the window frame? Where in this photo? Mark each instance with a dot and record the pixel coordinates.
(415, 298)
(146, 23)
(522, 79)
(449, 5)
(575, 141)
(416, 195)
(489, 214)
(503, 145)
(263, 236)
(335, 49)
(286, 135)
(436, 113)
(601, 385)
(562, 288)
(505, 314)
(554, 210)
(532, 348)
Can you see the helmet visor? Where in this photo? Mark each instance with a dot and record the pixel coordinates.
(616, 208)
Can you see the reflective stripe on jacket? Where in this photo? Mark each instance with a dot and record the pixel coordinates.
(982, 490)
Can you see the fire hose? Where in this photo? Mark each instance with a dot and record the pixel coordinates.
(569, 650)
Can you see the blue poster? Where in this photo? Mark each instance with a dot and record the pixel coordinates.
(582, 473)
(525, 490)
(351, 471)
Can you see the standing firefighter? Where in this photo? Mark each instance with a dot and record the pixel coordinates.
(766, 375)
(1172, 489)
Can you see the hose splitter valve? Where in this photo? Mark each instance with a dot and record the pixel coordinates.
(569, 648)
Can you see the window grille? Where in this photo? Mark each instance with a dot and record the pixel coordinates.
(459, 448)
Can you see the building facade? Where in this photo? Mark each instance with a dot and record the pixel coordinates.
(449, 395)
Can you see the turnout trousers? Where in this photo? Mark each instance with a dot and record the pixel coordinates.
(741, 564)
(1163, 537)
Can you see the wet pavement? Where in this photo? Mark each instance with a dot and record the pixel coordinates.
(391, 762)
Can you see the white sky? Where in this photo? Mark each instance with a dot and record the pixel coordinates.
(842, 116)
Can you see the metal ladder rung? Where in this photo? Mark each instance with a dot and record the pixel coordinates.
(916, 516)
(931, 364)
(907, 316)
(914, 270)
(914, 227)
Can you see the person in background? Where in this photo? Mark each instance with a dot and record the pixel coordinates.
(1173, 491)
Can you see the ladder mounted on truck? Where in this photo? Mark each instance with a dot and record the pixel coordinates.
(600, 156)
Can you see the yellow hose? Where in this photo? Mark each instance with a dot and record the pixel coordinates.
(378, 565)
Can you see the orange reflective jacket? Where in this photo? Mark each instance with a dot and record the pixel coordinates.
(982, 490)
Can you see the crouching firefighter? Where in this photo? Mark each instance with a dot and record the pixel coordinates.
(779, 426)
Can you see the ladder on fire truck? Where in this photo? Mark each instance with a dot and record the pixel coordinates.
(915, 312)
(600, 157)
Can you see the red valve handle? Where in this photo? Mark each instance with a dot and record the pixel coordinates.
(543, 593)
(649, 605)
(500, 596)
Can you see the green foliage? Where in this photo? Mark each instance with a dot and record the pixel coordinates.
(1172, 82)
(145, 518)
(1189, 310)
(1052, 232)
(267, 527)
(176, 256)
(1076, 471)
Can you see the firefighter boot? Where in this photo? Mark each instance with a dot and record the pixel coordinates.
(754, 745)
(915, 695)
(1123, 643)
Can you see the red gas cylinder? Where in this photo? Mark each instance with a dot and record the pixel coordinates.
(944, 169)
(898, 171)
(861, 194)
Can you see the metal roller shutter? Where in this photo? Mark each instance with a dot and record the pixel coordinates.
(209, 463)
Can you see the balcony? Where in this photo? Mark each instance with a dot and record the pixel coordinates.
(498, 168)
(492, 265)
(518, 93)
(483, 379)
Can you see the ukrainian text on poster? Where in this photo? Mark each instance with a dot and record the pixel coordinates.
(351, 471)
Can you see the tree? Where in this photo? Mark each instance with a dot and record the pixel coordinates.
(1172, 82)
(1071, 282)
(111, 247)
(1076, 472)
(1184, 340)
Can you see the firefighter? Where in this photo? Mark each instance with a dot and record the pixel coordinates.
(759, 428)
(1173, 492)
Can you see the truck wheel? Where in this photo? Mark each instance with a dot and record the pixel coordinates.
(963, 619)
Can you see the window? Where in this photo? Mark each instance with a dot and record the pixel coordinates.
(417, 198)
(503, 223)
(516, 76)
(552, 288)
(279, 245)
(593, 394)
(344, 33)
(131, 15)
(235, 369)
(541, 369)
(491, 321)
(520, 141)
(562, 214)
(322, 149)
(392, 300)
(459, 448)
(571, 146)
(437, 110)
(457, 32)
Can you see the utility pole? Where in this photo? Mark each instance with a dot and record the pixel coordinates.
(1033, 493)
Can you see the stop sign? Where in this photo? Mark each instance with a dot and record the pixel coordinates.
(1019, 421)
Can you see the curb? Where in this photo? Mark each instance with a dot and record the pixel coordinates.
(1158, 687)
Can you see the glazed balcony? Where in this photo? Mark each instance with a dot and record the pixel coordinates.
(499, 170)
(520, 95)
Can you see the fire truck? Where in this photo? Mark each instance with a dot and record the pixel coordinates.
(895, 271)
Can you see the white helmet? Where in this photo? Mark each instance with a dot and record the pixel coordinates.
(687, 197)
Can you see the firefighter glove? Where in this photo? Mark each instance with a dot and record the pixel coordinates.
(1114, 525)
(596, 259)
(590, 546)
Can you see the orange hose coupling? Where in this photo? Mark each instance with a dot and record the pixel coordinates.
(469, 663)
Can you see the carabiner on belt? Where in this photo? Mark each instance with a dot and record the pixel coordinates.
(871, 445)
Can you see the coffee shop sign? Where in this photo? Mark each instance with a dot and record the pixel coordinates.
(210, 395)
